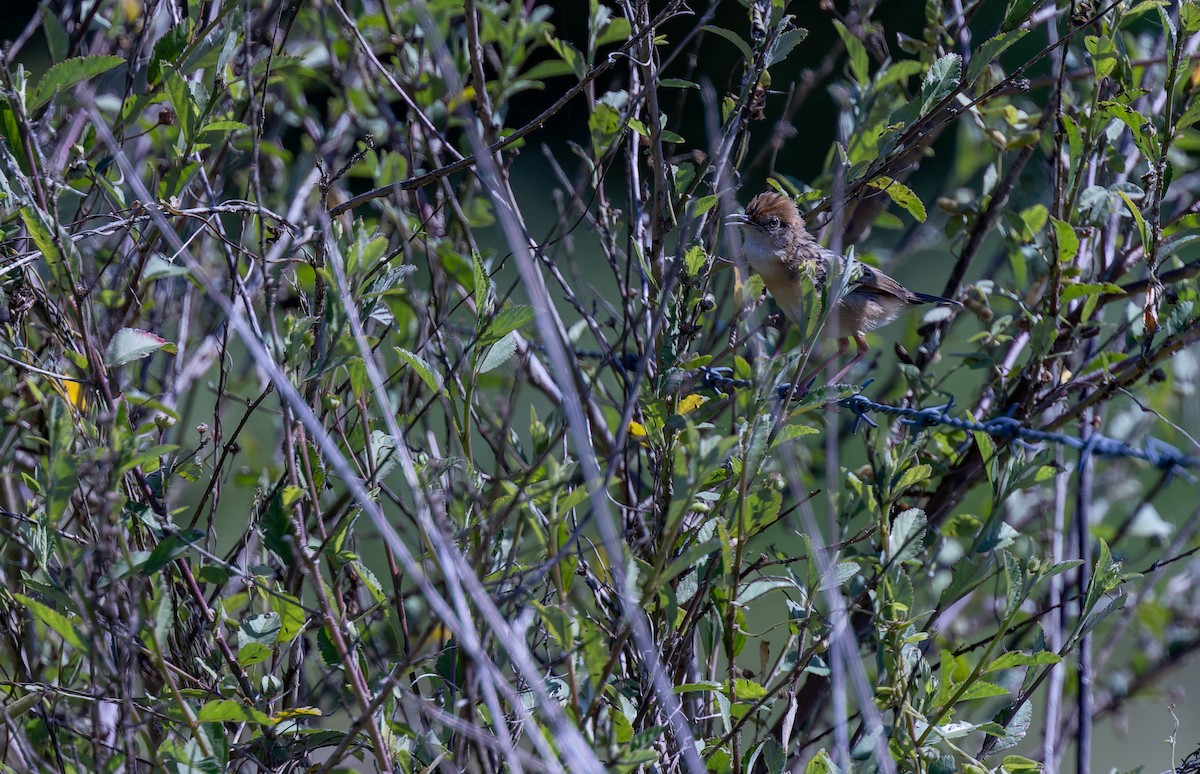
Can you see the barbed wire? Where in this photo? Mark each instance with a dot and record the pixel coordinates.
(1006, 429)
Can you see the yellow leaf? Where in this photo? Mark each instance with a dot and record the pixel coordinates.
(76, 395)
(296, 712)
(467, 95)
(601, 568)
(636, 429)
(691, 403)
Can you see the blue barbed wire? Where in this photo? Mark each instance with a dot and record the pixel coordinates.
(1006, 429)
(1160, 454)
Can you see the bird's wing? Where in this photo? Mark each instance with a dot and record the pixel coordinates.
(875, 283)
(866, 280)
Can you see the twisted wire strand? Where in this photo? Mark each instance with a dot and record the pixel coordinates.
(1005, 429)
(1160, 454)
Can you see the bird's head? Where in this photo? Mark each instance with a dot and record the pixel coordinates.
(771, 229)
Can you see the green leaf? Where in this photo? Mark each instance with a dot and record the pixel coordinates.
(21, 705)
(1103, 51)
(1019, 763)
(148, 458)
(1034, 218)
(432, 381)
(383, 451)
(784, 44)
(1081, 289)
(902, 195)
(842, 572)
(1015, 728)
(733, 38)
(1175, 244)
(570, 55)
(276, 530)
(981, 689)
(1189, 16)
(214, 574)
(859, 63)
(169, 549)
(176, 178)
(762, 508)
(756, 588)
(694, 260)
(57, 40)
(987, 53)
(365, 251)
(1102, 361)
(168, 50)
(62, 472)
(605, 122)
(179, 94)
(1016, 13)
(822, 764)
(704, 204)
(792, 432)
(483, 284)
(910, 476)
(507, 320)
(616, 31)
(56, 621)
(940, 82)
(68, 73)
(906, 536)
(676, 83)
(897, 72)
(706, 686)
(1016, 658)
(1137, 123)
(256, 638)
(748, 690)
(1190, 116)
(550, 68)
(232, 711)
(292, 495)
(38, 226)
(223, 126)
(158, 267)
(1136, 212)
(130, 344)
(291, 615)
(499, 354)
(370, 581)
(1170, 33)
(1066, 240)
(1106, 576)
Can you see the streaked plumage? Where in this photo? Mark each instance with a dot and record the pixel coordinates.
(779, 248)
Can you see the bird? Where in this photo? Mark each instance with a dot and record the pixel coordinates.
(777, 246)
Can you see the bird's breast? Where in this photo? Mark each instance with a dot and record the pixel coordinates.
(788, 288)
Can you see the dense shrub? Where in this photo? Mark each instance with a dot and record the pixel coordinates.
(381, 384)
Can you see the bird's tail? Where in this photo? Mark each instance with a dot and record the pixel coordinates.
(926, 298)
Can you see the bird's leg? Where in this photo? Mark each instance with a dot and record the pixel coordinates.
(860, 343)
(843, 345)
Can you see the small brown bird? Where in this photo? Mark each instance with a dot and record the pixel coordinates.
(779, 249)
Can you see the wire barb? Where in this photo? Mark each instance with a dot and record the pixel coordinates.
(1006, 429)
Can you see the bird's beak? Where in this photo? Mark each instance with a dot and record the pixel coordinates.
(737, 220)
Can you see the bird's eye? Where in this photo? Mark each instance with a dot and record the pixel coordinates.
(772, 222)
